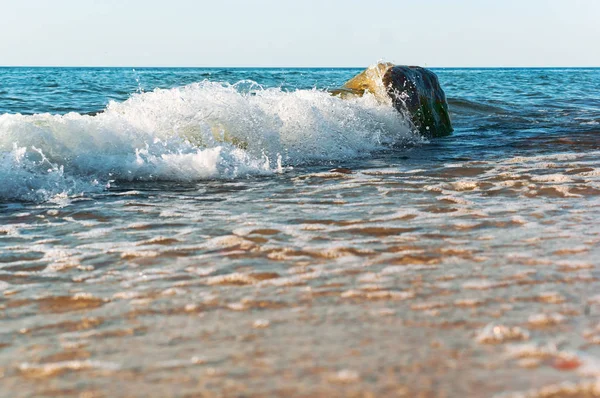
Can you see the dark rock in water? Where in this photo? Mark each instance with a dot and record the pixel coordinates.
(413, 90)
(418, 90)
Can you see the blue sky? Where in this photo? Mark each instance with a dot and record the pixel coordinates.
(299, 33)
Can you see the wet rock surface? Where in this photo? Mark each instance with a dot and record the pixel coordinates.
(414, 91)
(418, 91)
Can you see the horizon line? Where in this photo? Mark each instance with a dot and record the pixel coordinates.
(283, 67)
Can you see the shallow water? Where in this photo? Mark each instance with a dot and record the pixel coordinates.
(269, 240)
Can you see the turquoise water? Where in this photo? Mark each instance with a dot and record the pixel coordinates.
(240, 232)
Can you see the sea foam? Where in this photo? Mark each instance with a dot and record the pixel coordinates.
(201, 131)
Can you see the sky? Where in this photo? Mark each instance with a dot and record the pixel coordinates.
(432, 33)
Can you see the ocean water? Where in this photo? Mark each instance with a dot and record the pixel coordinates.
(241, 232)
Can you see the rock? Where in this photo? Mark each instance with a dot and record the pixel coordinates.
(418, 90)
(371, 80)
(413, 90)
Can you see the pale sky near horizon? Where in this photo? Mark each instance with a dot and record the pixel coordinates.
(299, 33)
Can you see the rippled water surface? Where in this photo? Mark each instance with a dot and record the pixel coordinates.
(240, 232)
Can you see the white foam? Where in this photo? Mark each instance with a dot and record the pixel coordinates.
(203, 130)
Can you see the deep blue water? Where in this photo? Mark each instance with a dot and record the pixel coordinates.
(83, 90)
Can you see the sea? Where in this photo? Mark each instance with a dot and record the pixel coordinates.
(240, 232)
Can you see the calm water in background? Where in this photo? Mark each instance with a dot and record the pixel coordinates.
(192, 239)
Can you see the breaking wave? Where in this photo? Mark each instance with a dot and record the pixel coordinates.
(201, 131)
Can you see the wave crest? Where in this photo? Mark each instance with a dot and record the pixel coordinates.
(203, 130)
